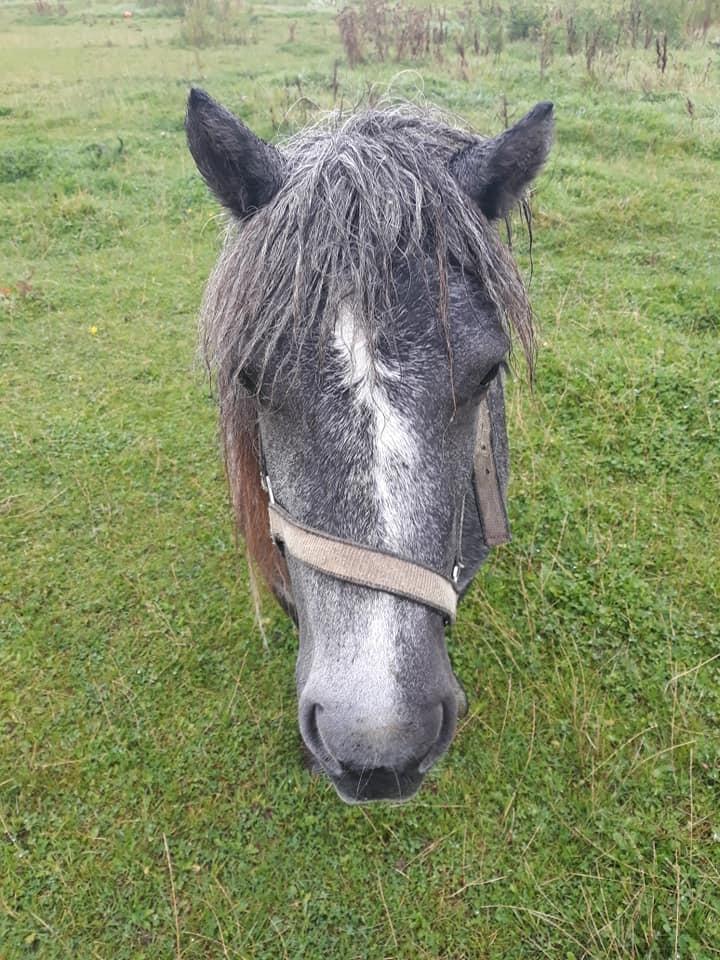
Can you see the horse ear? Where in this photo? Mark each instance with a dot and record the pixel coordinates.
(495, 173)
(242, 171)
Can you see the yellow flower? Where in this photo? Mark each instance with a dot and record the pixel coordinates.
(93, 330)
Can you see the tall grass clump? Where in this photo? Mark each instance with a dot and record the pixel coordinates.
(211, 22)
(381, 30)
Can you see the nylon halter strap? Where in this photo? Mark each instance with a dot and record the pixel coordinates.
(382, 570)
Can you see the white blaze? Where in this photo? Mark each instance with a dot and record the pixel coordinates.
(394, 450)
(394, 454)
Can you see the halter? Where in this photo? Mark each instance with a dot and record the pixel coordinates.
(382, 570)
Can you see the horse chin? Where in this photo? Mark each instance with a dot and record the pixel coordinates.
(380, 786)
(347, 785)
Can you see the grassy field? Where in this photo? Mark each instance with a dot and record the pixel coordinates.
(152, 798)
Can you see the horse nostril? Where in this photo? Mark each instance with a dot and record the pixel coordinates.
(313, 739)
(444, 737)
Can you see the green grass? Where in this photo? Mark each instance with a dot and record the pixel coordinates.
(152, 798)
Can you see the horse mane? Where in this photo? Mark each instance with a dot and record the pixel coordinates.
(362, 194)
(248, 498)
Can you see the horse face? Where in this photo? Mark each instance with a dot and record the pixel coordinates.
(378, 449)
(367, 417)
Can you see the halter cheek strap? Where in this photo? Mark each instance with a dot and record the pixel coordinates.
(488, 495)
(381, 570)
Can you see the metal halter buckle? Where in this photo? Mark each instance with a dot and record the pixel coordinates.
(267, 487)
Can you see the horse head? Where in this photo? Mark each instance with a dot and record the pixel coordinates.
(359, 320)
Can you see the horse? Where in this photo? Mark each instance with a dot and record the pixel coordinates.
(358, 325)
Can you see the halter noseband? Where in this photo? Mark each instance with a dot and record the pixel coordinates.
(382, 570)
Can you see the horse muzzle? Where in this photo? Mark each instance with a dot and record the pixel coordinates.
(370, 756)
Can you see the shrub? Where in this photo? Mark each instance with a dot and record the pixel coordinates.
(209, 22)
(523, 22)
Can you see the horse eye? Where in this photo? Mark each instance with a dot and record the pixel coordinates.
(247, 381)
(490, 376)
